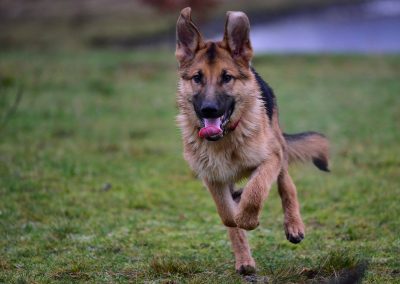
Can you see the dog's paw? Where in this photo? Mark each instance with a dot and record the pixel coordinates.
(247, 267)
(246, 221)
(294, 230)
(246, 270)
(229, 223)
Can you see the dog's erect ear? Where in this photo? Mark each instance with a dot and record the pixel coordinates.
(188, 37)
(237, 36)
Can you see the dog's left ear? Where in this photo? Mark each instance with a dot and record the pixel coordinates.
(237, 36)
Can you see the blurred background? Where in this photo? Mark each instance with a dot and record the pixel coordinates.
(93, 185)
(277, 25)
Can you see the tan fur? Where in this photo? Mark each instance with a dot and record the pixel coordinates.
(311, 146)
(256, 149)
(245, 263)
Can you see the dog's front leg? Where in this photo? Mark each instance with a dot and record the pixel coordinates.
(226, 206)
(255, 192)
(244, 262)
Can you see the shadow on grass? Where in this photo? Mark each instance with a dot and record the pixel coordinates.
(337, 267)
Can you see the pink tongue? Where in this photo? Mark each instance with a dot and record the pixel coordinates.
(211, 127)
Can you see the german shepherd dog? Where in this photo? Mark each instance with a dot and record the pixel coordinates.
(229, 122)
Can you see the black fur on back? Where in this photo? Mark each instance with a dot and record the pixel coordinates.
(267, 94)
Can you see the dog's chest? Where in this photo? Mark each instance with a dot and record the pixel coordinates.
(225, 164)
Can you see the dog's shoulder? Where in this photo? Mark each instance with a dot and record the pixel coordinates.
(267, 94)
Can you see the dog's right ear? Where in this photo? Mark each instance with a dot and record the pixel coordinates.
(188, 37)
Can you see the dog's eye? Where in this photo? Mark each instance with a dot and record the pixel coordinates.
(197, 78)
(226, 78)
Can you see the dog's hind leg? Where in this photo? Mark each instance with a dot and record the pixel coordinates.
(244, 262)
(294, 227)
(236, 193)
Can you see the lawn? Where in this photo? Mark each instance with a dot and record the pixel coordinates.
(93, 186)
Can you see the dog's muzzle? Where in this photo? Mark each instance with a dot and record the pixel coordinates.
(214, 115)
(214, 129)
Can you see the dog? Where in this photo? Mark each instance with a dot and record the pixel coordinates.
(229, 122)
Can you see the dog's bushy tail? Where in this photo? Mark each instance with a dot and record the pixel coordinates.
(308, 146)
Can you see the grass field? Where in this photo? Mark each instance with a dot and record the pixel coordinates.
(93, 186)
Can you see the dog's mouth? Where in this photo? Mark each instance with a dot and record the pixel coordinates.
(214, 129)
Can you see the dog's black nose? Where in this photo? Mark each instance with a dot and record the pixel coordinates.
(209, 110)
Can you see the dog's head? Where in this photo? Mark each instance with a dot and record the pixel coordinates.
(213, 74)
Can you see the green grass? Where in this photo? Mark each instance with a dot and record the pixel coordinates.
(93, 186)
